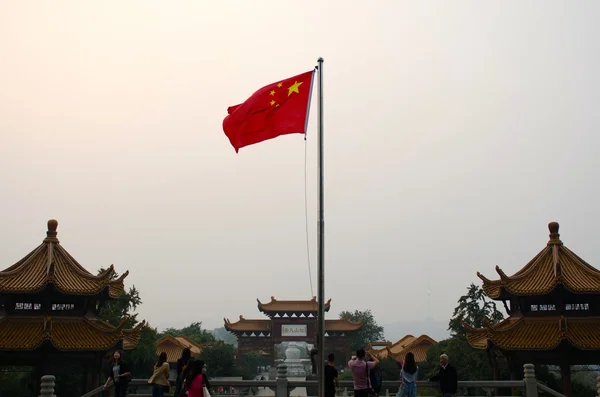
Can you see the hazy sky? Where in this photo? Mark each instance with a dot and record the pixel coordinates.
(455, 131)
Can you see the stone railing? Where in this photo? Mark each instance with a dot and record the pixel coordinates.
(282, 387)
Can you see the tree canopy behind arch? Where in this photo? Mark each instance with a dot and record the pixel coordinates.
(370, 331)
(194, 331)
(472, 308)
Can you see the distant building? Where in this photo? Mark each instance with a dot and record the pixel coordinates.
(174, 346)
(290, 321)
(417, 346)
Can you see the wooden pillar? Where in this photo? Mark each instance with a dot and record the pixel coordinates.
(494, 363)
(238, 356)
(565, 374)
(85, 382)
(514, 368)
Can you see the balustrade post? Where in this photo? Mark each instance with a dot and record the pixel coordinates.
(282, 381)
(47, 386)
(531, 389)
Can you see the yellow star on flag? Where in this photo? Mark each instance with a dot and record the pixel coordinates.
(294, 88)
(272, 103)
(279, 85)
(272, 92)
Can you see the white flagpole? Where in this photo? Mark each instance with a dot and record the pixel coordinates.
(321, 248)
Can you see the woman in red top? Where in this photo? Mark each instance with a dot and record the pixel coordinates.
(194, 383)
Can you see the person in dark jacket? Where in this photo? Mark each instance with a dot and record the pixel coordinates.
(447, 377)
(120, 375)
(186, 356)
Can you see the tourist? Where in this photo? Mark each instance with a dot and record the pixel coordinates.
(376, 379)
(205, 377)
(180, 388)
(160, 378)
(447, 377)
(331, 377)
(194, 382)
(184, 360)
(119, 374)
(408, 376)
(360, 372)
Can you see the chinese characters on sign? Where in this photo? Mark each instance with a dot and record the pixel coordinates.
(293, 330)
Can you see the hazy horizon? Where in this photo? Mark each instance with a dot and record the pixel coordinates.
(454, 132)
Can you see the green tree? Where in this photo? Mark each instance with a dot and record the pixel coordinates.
(194, 331)
(16, 381)
(250, 362)
(114, 311)
(143, 357)
(370, 331)
(472, 308)
(223, 335)
(470, 364)
(219, 359)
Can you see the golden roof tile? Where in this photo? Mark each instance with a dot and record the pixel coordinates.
(50, 263)
(248, 326)
(538, 333)
(554, 265)
(174, 346)
(256, 326)
(418, 346)
(64, 333)
(292, 306)
(342, 325)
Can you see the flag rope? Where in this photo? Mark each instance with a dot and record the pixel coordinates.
(312, 292)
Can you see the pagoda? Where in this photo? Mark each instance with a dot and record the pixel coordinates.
(408, 344)
(49, 308)
(290, 321)
(553, 306)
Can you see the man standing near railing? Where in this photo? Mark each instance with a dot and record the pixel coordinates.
(331, 377)
(447, 377)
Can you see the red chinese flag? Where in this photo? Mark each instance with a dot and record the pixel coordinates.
(277, 109)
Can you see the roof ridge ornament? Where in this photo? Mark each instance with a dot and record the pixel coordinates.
(556, 263)
(51, 232)
(502, 275)
(554, 235)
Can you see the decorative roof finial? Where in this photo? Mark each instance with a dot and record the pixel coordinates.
(554, 236)
(51, 233)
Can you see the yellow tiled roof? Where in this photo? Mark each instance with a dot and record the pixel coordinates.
(257, 326)
(537, 333)
(554, 265)
(51, 264)
(291, 306)
(64, 333)
(417, 346)
(174, 346)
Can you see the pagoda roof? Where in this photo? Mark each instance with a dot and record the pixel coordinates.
(525, 333)
(65, 333)
(50, 264)
(260, 326)
(298, 307)
(417, 346)
(174, 346)
(254, 327)
(342, 325)
(554, 266)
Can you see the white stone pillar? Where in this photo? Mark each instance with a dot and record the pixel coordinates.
(47, 389)
(282, 382)
(531, 389)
